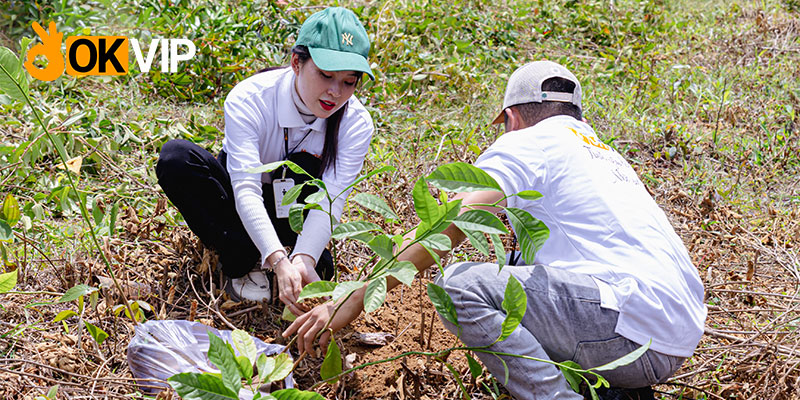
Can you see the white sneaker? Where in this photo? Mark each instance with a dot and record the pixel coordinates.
(253, 286)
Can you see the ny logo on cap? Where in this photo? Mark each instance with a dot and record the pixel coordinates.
(347, 38)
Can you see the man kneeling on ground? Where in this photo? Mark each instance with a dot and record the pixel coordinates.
(612, 276)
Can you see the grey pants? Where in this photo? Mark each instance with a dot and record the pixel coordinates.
(564, 321)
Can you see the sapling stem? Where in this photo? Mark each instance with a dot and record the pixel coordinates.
(445, 351)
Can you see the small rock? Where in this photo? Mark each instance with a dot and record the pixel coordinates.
(349, 360)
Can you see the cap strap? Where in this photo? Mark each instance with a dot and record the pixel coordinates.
(557, 96)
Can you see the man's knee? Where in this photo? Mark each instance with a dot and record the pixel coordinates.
(457, 275)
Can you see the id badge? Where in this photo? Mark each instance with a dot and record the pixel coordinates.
(279, 189)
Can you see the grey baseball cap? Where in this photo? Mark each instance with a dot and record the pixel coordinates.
(525, 86)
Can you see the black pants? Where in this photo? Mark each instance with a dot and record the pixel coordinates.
(199, 185)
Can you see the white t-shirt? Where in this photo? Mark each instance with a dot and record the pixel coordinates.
(256, 112)
(604, 223)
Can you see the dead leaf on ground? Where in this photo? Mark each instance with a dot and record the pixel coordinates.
(73, 165)
(374, 338)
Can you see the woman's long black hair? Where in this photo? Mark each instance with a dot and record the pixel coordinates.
(331, 146)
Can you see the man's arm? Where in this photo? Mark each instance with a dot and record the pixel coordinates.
(309, 324)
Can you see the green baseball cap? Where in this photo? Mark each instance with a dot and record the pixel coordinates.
(336, 40)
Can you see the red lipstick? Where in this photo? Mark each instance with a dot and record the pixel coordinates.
(326, 105)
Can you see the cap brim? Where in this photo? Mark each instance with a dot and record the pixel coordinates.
(499, 118)
(332, 60)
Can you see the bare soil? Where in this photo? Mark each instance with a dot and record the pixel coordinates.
(746, 258)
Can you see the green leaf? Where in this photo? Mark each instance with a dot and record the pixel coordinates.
(462, 177)
(443, 304)
(296, 217)
(515, 302)
(221, 354)
(573, 377)
(245, 367)
(12, 75)
(244, 343)
(594, 393)
(98, 334)
(332, 365)
(345, 288)
(266, 167)
(451, 210)
(375, 294)
(403, 271)
(11, 210)
(531, 232)
(112, 219)
(6, 234)
(437, 241)
(478, 241)
(194, 386)
(281, 367)
(64, 315)
(287, 315)
(505, 370)
(294, 394)
(7, 281)
(624, 360)
(363, 237)
(265, 366)
(349, 229)
(93, 300)
(435, 257)
(315, 198)
(475, 368)
(458, 380)
(499, 250)
(97, 214)
(76, 291)
(317, 289)
(380, 170)
(481, 221)
(292, 194)
(277, 164)
(52, 392)
(428, 210)
(398, 240)
(529, 195)
(376, 204)
(383, 246)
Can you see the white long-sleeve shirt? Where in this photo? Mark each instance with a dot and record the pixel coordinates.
(256, 112)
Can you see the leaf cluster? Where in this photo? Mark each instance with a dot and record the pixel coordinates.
(248, 365)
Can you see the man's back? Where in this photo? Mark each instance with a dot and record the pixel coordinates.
(603, 223)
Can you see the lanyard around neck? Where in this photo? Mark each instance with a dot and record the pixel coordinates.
(286, 142)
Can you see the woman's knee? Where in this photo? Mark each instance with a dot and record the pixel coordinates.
(174, 158)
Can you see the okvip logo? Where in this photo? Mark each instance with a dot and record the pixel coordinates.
(99, 55)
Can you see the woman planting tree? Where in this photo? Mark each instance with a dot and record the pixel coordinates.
(305, 113)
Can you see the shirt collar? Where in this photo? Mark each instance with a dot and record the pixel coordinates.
(288, 116)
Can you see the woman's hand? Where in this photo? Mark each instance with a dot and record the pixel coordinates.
(306, 266)
(290, 282)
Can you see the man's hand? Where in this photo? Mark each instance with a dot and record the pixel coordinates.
(308, 325)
